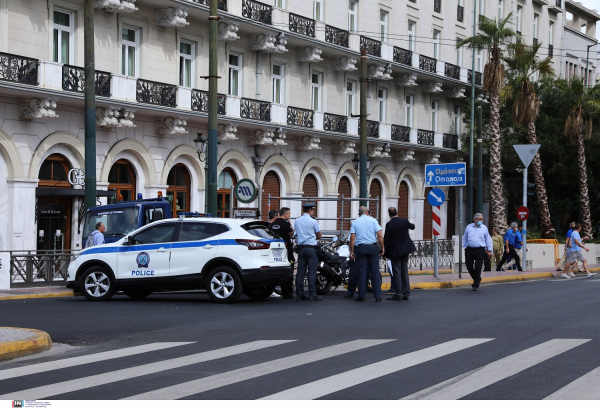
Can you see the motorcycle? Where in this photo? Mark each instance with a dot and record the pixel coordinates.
(334, 266)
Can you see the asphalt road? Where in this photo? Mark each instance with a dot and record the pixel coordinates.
(534, 339)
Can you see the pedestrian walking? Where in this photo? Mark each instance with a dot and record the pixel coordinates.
(96, 237)
(510, 248)
(477, 244)
(308, 232)
(518, 244)
(283, 228)
(576, 254)
(398, 246)
(365, 241)
(565, 257)
(498, 244)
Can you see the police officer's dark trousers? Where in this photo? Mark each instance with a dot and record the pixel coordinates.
(307, 265)
(287, 287)
(477, 256)
(367, 263)
(513, 253)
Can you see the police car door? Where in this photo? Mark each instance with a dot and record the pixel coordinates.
(195, 246)
(147, 256)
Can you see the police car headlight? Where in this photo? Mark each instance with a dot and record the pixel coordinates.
(74, 257)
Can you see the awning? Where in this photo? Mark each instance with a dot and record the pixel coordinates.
(68, 192)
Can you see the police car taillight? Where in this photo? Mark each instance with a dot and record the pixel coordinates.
(252, 244)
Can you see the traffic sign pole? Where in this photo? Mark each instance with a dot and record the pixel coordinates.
(437, 227)
(524, 266)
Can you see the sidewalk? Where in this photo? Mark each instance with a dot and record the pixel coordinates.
(18, 342)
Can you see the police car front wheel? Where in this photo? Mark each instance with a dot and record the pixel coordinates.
(224, 285)
(97, 284)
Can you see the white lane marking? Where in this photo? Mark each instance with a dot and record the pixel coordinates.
(319, 388)
(231, 377)
(133, 372)
(90, 358)
(482, 377)
(586, 387)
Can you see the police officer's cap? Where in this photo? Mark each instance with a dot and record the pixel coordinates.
(308, 206)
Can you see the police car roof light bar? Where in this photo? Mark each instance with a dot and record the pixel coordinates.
(193, 215)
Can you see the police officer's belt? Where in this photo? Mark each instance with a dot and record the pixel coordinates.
(307, 246)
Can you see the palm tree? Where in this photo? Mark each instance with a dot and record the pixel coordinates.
(583, 102)
(494, 37)
(523, 65)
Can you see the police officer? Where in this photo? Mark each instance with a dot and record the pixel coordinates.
(308, 232)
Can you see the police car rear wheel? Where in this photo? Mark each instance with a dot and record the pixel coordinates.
(97, 284)
(224, 285)
(137, 294)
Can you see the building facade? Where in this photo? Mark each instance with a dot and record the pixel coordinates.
(288, 87)
(579, 33)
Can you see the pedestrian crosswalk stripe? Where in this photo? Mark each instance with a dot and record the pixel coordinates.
(482, 377)
(90, 358)
(319, 388)
(128, 373)
(586, 387)
(231, 377)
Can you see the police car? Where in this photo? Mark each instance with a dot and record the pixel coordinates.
(227, 257)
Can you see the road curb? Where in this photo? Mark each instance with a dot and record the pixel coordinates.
(40, 341)
(468, 282)
(40, 295)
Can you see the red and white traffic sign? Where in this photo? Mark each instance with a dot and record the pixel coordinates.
(522, 213)
(436, 217)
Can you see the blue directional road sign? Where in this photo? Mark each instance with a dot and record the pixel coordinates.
(436, 197)
(445, 174)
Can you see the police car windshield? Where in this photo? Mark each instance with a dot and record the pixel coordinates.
(118, 222)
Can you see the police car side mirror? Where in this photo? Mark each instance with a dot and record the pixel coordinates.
(129, 240)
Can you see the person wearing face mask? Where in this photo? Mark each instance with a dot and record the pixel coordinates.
(510, 248)
(477, 244)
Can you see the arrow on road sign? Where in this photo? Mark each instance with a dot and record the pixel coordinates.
(436, 197)
(430, 175)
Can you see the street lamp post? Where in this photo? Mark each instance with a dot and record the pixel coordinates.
(90, 105)
(211, 183)
(363, 128)
(587, 60)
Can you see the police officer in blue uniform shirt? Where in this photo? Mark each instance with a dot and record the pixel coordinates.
(307, 232)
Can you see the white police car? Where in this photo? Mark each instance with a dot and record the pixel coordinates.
(227, 257)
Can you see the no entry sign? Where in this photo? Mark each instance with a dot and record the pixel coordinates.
(522, 213)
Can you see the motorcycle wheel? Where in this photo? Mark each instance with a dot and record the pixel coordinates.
(323, 283)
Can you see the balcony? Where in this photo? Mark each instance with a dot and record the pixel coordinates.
(477, 77)
(336, 36)
(222, 4)
(15, 68)
(335, 123)
(73, 79)
(452, 71)
(300, 117)
(302, 25)
(156, 93)
(403, 56)
(450, 141)
(257, 110)
(373, 47)
(427, 63)
(460, 13)
(257, 11)
(437, 6)
(425, 137)
(372, 129)
(200, 102)
(401, 133)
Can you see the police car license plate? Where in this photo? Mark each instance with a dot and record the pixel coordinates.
(278, 255)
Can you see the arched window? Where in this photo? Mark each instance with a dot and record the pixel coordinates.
(53, 172)
(270, 186)
(403, 200)
(427, 221)
(310, 188)
(375, 192)
(121, 178)
(226, 180)
(178, 192)
(344, 189)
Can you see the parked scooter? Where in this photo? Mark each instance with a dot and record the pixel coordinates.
(334, 265)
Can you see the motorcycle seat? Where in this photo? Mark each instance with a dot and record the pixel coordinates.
(335, 258)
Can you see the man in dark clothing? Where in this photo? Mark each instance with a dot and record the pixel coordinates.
(398, 246)
(283, 228)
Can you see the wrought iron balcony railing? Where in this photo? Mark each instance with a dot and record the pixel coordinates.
(460, 13)
(302, 25)
(336, 36)
(73, 79)
(300, 117)
(535, 41)
(372, 128)
(257, 11)
(403, 56)
(335, 123)
(427, 63)
(550, 50)
(200, 101)
(452, 71)
(221, 5)
(254, 109)
(372, 46)
(425, 137)
(15, 68)
(156, 93)
(477, 77)
(437, 6)
(401, 133)
(450, 141)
